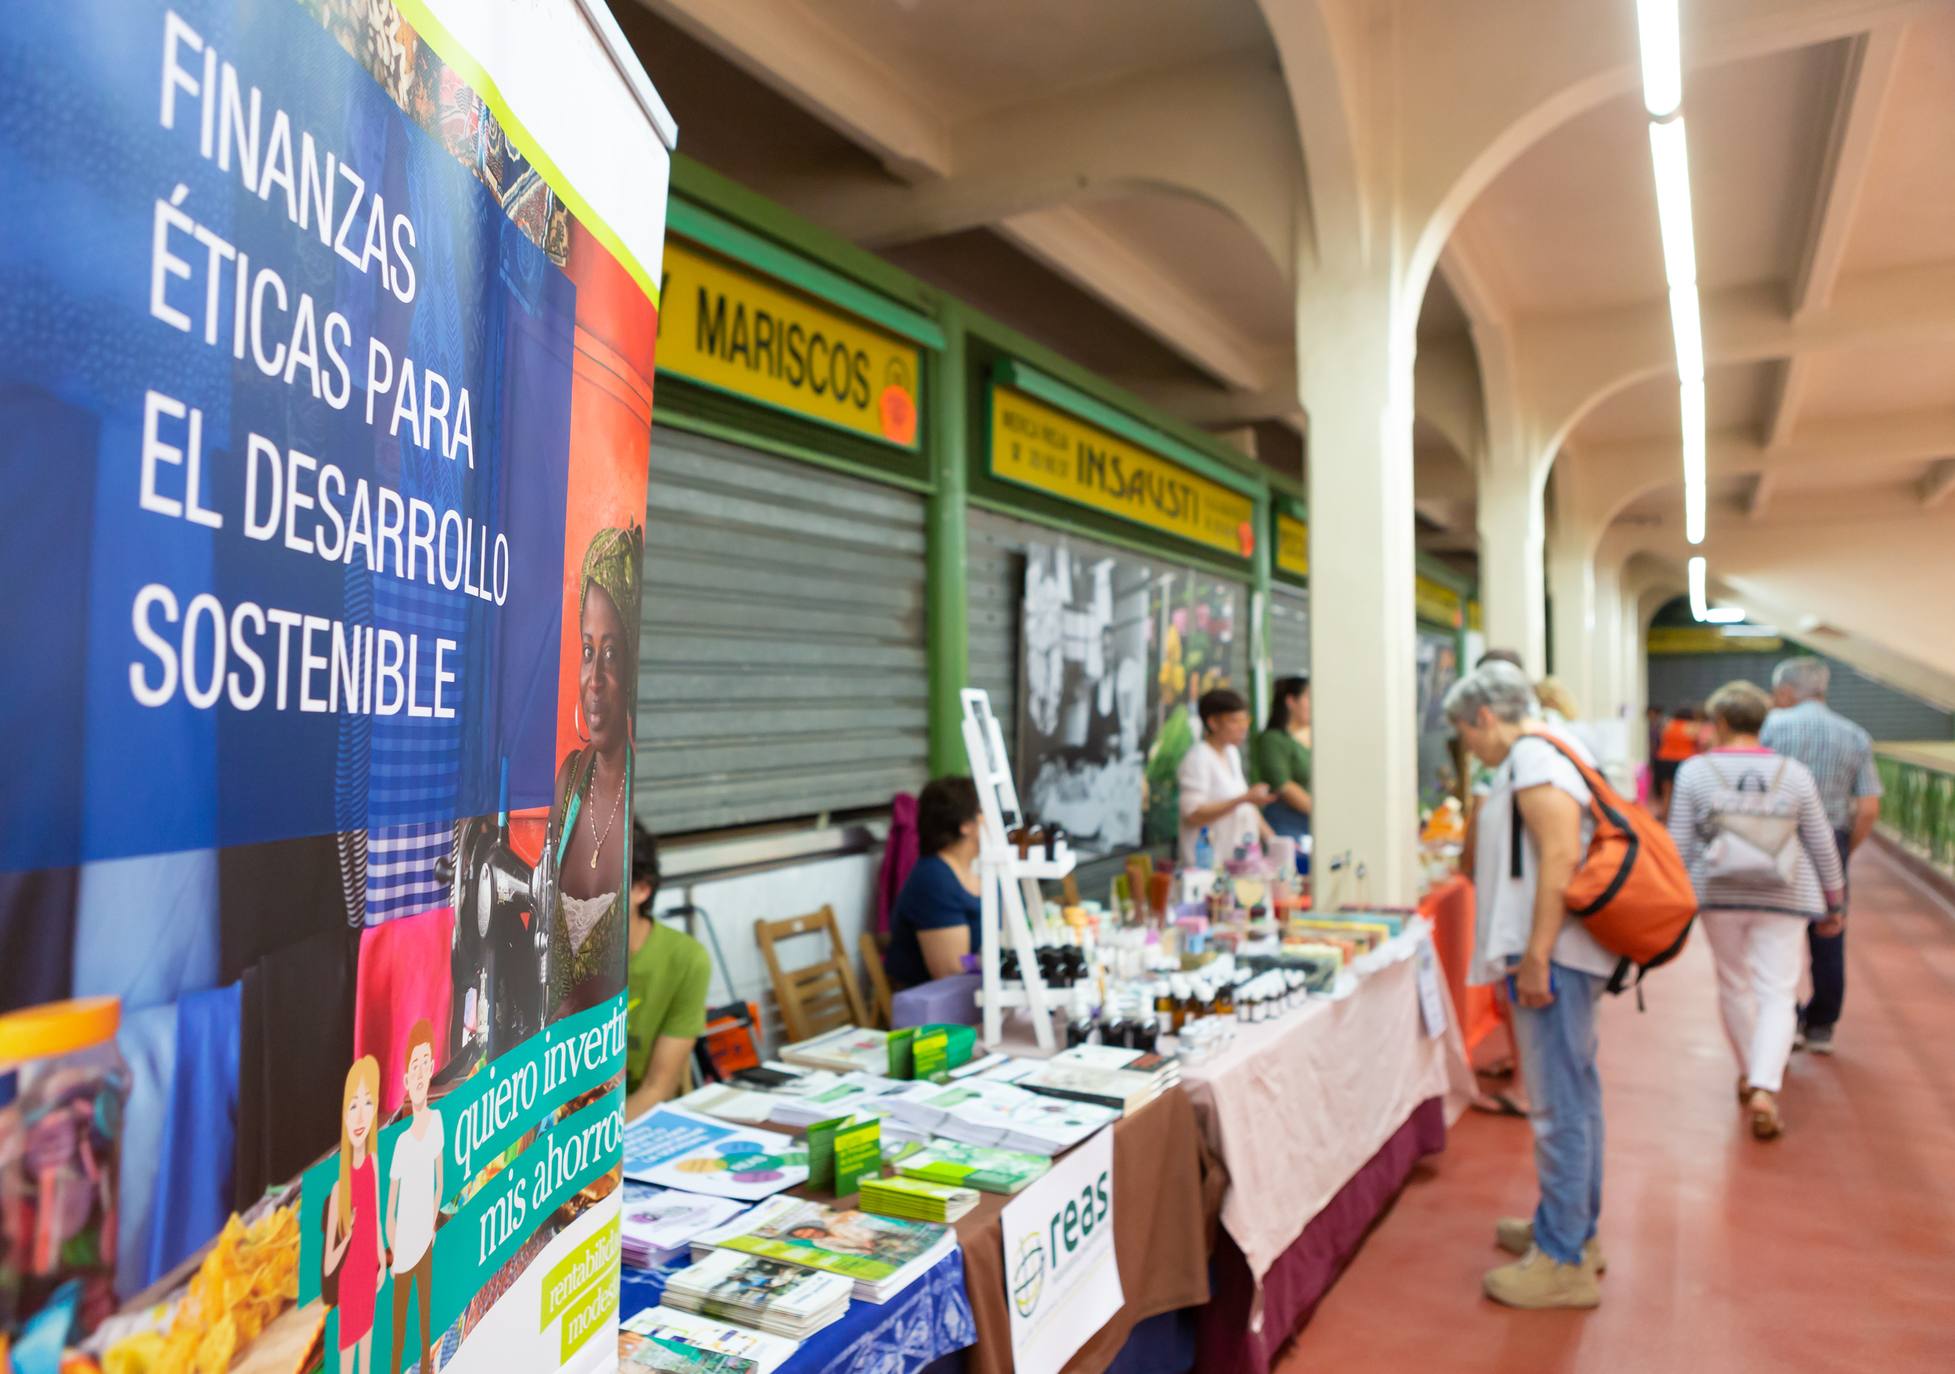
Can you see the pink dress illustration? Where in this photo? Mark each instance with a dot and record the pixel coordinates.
(358, 1273)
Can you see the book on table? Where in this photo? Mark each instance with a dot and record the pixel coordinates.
(770, 1295)
(1108, 1077)
(697, 1154)
(986, 1112)
(982, 1167)
(882, 1255)
(846, 1049)
(662, 1324)
(667, 1356)
(656, 1225)
(917, 1199)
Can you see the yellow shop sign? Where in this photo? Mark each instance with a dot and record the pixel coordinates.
(1709, 639)
(1046, 449)
(720, 326)
(1437, 602)
(1292, 545)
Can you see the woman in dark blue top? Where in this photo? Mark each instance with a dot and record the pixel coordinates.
(936, 921)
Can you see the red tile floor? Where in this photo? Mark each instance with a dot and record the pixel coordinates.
(1831, 1249)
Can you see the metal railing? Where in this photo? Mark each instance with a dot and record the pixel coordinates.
(1919, 810)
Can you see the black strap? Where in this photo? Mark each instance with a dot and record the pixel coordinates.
(1514, 869)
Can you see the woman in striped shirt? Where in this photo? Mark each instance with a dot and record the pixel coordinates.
(1756, 923)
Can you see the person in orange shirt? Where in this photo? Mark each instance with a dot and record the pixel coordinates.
(1680, 741)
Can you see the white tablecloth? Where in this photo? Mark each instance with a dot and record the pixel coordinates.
(1296, 1107)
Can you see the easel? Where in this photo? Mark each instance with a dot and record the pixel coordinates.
(1011, 883)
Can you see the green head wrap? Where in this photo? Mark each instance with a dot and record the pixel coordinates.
(611, 562)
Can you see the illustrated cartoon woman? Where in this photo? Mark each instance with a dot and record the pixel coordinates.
(353, 1245)
(590, 825)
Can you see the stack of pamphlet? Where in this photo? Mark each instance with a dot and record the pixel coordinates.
(975, 1166)
(985, 1112)
(656, 1225)
(844, 1050)
(768, 1295)
(883, 1255)
(1106, 1076)
(852, 1092)
(645, 1341)
(916, 1199)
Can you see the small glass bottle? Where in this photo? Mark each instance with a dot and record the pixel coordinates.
(1164, 1005)
(1184, 1004)
(1225, 1000)
(1147, 1033)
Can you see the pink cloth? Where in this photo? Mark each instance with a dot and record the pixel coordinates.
(1295, 1107)
(899, 856)
(404, 976)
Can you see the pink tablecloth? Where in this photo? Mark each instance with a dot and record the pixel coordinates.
(1295, 1109)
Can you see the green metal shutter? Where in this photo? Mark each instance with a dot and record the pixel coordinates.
(1880, 710)
(1289, 630)
(781, 668)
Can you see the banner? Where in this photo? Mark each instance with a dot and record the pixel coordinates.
(325, 405)
(1084, 724)
(1061, 1276)
(1292, 545)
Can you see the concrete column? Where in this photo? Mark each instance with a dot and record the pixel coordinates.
(1605, 671)
(1357, 388)
(1512, 533)
(1571, 583)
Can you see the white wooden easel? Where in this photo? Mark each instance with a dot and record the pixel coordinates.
(1011, 883)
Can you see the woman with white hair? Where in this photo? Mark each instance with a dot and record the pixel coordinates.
(1553, 969)
(1752, 829)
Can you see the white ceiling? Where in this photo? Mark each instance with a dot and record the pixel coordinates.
(970, 58)
(1907, 215)
(1734, 397)
(1899, 378)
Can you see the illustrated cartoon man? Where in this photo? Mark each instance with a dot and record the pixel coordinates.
(414, 1191)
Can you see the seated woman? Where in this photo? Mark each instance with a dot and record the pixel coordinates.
(936, 920)
(666, 978)
(1281, 758)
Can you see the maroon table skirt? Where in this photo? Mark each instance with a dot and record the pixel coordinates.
(1301, 1276)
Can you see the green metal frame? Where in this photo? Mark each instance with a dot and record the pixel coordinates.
(947, 639)
(1919, 809)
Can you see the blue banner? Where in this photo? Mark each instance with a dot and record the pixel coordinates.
(285, 395)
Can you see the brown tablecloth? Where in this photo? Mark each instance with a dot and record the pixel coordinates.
(1167, 1194)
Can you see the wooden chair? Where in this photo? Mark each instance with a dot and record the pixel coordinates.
(815, 997)
(872, 945)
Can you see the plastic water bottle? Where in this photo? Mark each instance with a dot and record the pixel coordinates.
(1204, 851)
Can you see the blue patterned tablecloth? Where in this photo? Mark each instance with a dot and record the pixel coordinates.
(926, 1321)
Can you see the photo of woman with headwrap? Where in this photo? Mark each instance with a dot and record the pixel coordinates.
(590, 824)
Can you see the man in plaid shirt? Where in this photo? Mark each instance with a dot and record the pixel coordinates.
(1841, 757)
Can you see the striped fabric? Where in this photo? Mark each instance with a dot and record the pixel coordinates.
(1699, 783)
(1839, 754)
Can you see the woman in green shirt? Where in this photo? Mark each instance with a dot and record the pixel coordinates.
(1281, 758)
(665, 991)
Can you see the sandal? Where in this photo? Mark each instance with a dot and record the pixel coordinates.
(1766, 1124)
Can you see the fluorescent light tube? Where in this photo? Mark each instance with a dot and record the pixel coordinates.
(1656, 32)
(1670, 156)
(1688, 327)
(1724, 615)
(1690, 400)
(1697, 606)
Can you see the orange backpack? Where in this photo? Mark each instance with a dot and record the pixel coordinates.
(1631, 890)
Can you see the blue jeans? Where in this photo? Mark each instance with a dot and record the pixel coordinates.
(1828, 964)
(1557, 1046)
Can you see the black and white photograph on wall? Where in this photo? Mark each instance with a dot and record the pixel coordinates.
(1083, 689)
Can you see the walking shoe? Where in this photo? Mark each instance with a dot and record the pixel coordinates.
(1515, 1235)
(1534, 1281)
(1819, 1039)
(1766, 1124)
